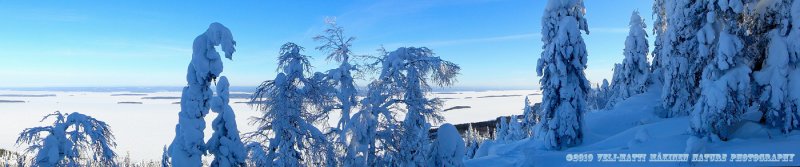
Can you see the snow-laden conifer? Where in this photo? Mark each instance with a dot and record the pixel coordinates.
(530, 118)
(337, 46)
(412, 69)
(563, 83)
(291, 104)
(515, 130)
(725, 83)
(659, 44)
(681, 64)
(165, 158)
(225, 143)
(779, 79)
(630, 77)
(206, 65)
(473, 139)
(501, 129)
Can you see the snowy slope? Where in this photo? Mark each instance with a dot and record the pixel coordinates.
(631, 127)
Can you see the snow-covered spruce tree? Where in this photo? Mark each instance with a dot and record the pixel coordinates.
(564, 85)
(682, 67)
(609, 90)
(602, 94)
(412, 69)
(634, 68)
(73, 139)
(501, 129)
(473, 140)
(515, 131)
(530, 118)
(591, 98)
(779, 79)
(659, 31)
(225, 143)
(188, 146)
(760, 19)
(447, 149)
(291, 105)
(725, 83)
(338, 48)
(165, 158)
(16, 159)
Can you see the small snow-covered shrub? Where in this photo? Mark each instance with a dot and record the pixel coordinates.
(448, 148)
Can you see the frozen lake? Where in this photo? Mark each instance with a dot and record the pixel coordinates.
(143, 129)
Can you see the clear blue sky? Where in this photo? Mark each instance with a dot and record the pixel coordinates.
(148, 43)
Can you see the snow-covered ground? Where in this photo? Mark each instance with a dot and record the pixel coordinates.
(141, 130)
(632, 128)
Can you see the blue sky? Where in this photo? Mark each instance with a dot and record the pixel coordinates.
(148, 43)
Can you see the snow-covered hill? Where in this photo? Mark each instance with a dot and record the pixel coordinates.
(632, 127)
